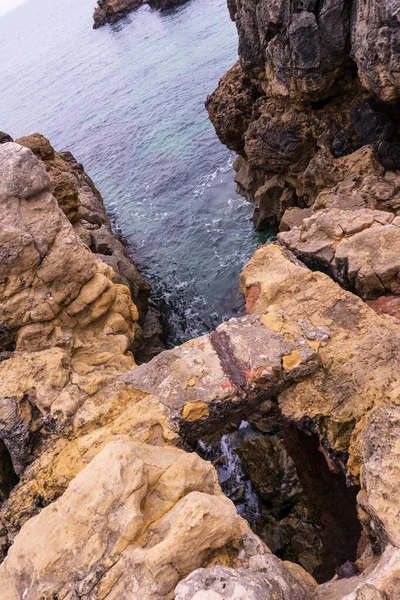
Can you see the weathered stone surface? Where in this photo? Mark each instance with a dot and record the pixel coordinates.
(266, 577)
(288, 522)
(110, 11)
(380, 474)
(386, 305)
(86, 431)
(351, 403)
(300, 48)
(133, 523)
(67, 321)
(302, 101)
(336, 400)
(82, 203)
(357, 247)
(379, 581)
(236, 367)
(375, 47)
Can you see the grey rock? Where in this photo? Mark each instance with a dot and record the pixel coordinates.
(21, 174)
(267, 578)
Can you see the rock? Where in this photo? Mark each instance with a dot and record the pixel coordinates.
(111, 11)
(375, 47)
(266, 577)
(135, 521)
(312, 97)
(223, 373)
(67, 321)
(275, 478)
(86, 435)
(358, 248)
(379, 581)
(4, 138)
(335, 402)
(272, 200)
(300, 50)
(389, 305)
(230, 107)
(82, 203)
(380, 476)
(288, 523)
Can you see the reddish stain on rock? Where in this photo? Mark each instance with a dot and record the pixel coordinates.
(386, 305)
(252, 296)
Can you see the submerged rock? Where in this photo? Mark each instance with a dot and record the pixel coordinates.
(110, 11)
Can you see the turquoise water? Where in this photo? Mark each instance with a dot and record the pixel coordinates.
(128, 101)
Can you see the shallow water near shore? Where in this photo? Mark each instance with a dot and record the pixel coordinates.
(128, 101)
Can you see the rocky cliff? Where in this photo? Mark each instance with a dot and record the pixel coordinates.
(101, 494)
(83, 205)
(312, 106)
(110, 11)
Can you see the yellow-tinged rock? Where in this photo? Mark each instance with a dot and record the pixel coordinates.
(292, 360)
(272, 320)
(192, 411)
(133, 523)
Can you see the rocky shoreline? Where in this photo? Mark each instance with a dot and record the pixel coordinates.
(102, 495)
(95, 449)
(111, 11)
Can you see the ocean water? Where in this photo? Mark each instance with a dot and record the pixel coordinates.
(128, 101)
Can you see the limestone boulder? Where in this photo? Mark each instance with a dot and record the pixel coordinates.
(66, 325)
(133, 523)
(380, 475)
(81, 202)
(357, 247)
(266, 577)
(189, 390)
(336, 400)
(235, 368)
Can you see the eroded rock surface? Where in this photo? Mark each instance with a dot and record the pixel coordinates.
(359, 248)
(81, 202)
(154, 514)
(337, 400)
(87, 462)
(312, 100)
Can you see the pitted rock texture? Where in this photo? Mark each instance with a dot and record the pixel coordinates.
(82, 203)
(231, 370)
(133, 523)
(69, 325)
(84, 433)
(351, 402)
(358, 248)
(111, 11)
(266, 578)
(337, 400)
(80, 200)
(316, 90)
(375, 47)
